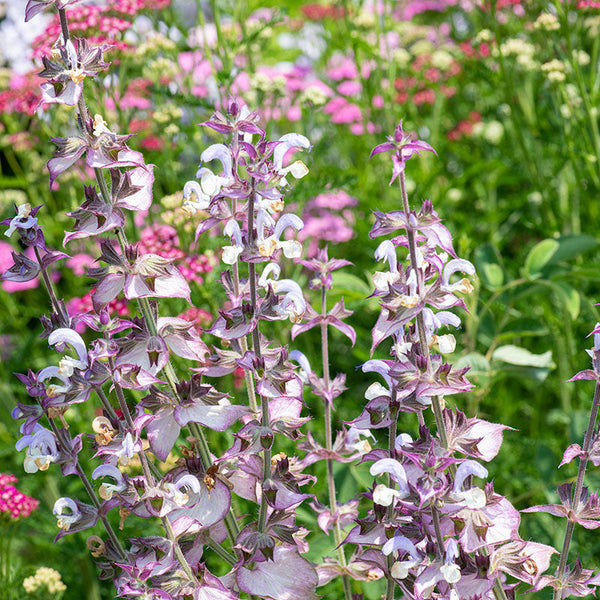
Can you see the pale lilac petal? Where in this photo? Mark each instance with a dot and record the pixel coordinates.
(213, 589)
(288, 220)
(218, 416)
(287, 577)
(108, 289)
(64, 335)
(491, 438)
(465, 469)
(222, 153)
(505, 526)
(287, 142)
(456, 264)
(399, 542)
(573, 451)
(163, 431)
(394, 468)
(212, 506)
(58, 165)
(68, 95)
(142, 199)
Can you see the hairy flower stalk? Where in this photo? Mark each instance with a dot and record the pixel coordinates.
(337, 530)
(264, 405)
(577, 504)
(151, 323)
(440, 535)
(337, 514)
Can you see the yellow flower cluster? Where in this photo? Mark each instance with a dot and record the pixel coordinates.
(44, 577)
(522, 50)
(156, 43)
(547, 22)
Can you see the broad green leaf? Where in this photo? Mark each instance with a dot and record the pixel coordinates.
(489, 269)
(491, 275)
(523, 364)
(515, 355)
(569, 298)
(354, 290)
(477, 363)
(539, 256)
(570, 246)
(523, 326)
(346, 282)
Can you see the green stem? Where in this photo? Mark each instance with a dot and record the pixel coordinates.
(106, 403)
(264, 402)
(583, 460)
(337, 530)
(248, 377)
(218, 549)
(64, 318)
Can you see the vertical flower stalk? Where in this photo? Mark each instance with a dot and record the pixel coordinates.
(246, 199)
(578, 506)
(427, 516)
(329, 390)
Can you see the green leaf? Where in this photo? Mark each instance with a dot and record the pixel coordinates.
(570, 246)
(480, 371)
(491, 275)
(478, 363)
(569, 298)
(539, 256)
(489, 268)
(523, 326)
(515, 355)
(350, 287)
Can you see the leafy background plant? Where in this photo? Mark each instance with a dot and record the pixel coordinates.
(506, 96)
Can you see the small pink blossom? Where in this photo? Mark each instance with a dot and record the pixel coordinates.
(349, 88)
(342, 67)
(79, 263)
(378, 101)
(13, 502)
(346, 113)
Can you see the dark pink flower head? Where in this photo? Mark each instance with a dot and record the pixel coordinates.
(14, 503)
(404, 147)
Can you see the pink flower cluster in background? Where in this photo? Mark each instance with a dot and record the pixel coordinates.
(23, 94)
(13, 502)
(163, 240)
(100, 24)
(328, 217)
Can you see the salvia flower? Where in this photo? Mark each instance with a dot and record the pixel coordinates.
(42, 449)
(403, 147)
(74, 63)
(102, 147)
